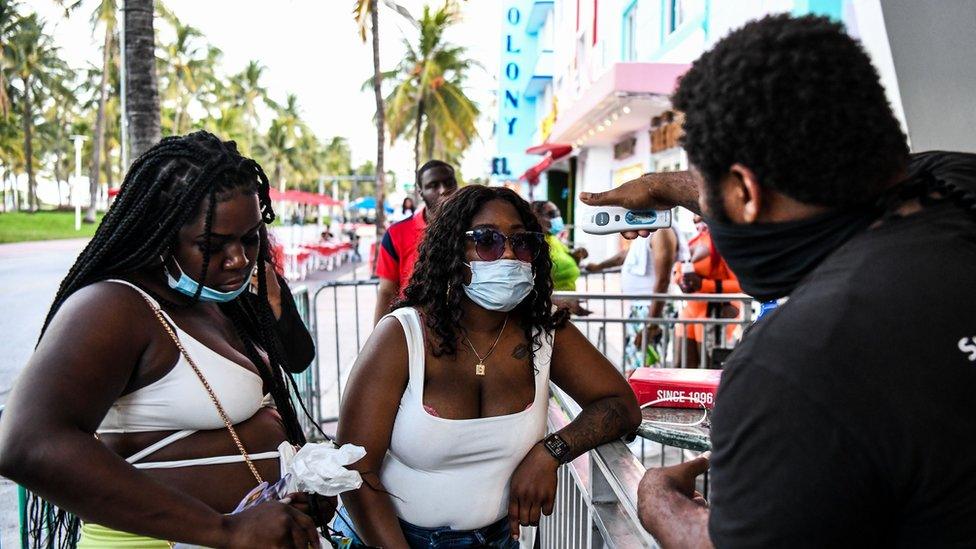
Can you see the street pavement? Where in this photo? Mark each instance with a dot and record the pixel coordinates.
(30, 273)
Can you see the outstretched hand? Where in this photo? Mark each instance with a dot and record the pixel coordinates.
(652, 191)
(671, 509)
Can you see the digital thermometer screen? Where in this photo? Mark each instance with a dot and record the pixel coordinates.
(640, 217)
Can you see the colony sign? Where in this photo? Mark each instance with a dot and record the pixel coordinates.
(514, 128)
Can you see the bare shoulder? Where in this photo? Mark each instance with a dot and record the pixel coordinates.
(385, 353)
(567, 331)
(102, 309)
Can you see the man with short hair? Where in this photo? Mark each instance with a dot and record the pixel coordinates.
(844, 415)
(398, 249)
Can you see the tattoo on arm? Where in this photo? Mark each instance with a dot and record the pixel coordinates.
(521, 351)
(598, 423)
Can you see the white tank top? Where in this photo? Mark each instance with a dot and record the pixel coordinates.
(178, 401)
(637, 274)
(456, 472)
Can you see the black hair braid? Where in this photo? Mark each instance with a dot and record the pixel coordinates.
(436, 285)
(934, 177)
(161, 192)
(207, 226)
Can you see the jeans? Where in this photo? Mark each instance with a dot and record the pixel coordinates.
(495, 535)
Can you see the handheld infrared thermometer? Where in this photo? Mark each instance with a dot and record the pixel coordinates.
(610, 219)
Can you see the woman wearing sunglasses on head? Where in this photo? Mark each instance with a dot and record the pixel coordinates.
(449, 395)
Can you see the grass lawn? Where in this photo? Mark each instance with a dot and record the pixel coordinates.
(44, 225)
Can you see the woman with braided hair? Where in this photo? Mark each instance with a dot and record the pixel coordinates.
(152, 353)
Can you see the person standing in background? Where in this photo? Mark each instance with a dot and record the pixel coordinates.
(398, 249)
(645, 268)
(407, 209)
(704, 273)
(565, 262)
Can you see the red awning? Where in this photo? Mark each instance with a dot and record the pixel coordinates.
(557, 150)
(532, 174)
(302, 197)
(552, 152)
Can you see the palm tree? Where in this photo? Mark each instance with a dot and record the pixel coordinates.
(189, 71)
(369, 9)
(54, 133)
(142, 91)
(11, 156)
(8, 24)
(428, 101)
(247, 91)
(38, 66)
(105, 15)
(278, 151)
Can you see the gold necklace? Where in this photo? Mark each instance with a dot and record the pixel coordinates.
(479, 368)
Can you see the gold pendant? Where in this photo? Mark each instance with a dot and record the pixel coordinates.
(479, 369)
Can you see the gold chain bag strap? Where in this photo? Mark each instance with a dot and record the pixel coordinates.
(206, 385)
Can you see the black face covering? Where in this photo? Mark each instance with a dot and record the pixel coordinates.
(770, 259)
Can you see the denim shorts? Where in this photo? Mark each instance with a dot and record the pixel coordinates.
(495, 535)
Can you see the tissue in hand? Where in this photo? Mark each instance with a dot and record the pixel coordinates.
(320, 468)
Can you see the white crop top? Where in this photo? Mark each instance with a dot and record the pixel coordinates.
(456, 472)
(178, 401)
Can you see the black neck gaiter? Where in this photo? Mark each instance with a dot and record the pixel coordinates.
(770, 259)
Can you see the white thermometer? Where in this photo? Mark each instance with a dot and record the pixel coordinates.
(611, 219)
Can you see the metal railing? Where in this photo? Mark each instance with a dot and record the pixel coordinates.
(614, 312)
(307, 382)
(596, 495)
(339, 335)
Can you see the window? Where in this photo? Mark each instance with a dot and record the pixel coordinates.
(677, 12)
(629, 49)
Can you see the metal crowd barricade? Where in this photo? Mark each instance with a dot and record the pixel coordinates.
(606, 326)
(341, 315)
(307, 382)
(596, 496)
(599, 281)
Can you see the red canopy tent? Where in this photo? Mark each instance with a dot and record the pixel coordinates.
(302, 197)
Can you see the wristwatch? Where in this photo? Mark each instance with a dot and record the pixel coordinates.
(556, 446)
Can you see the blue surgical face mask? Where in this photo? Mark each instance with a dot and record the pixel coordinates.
(556, 225)
(188, 287)
(499, 285)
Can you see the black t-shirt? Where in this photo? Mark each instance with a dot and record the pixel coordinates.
(847, 416)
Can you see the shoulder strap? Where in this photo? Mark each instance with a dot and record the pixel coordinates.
(206, 385)
(413, 332)
(145, 295)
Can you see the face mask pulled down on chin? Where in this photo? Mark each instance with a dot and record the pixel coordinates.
(770, 259)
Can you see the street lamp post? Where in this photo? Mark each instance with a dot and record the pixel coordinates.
(75, 198)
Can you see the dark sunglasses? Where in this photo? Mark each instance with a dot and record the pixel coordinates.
(490, 244)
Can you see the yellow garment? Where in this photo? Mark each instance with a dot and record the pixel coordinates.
(94, 536)
(565, 271)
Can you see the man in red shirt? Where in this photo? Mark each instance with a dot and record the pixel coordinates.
(398, 250)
